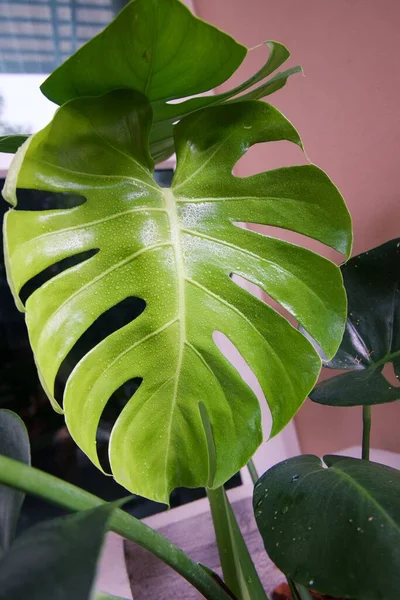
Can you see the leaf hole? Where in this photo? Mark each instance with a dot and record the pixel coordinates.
(267, 156)
(163, 177)
(111, 320)
(186, 98)
(389, 373)
(47, 274)
(293, 237)
(37, 200)
(232, 355)
(114, 407)
(260, 294)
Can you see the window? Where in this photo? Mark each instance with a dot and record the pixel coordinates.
(35, 37)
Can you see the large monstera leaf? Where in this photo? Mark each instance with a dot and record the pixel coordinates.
(176, 249)
(372, 334)
(159, 48)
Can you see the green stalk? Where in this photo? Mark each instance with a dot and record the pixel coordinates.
(253, 471)
(33, 481)
(239, 572)
(366, 432)
(293, 589)
(303, 592)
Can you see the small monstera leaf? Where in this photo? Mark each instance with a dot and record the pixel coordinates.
(159, 48)
(175, 249)
(372, 335)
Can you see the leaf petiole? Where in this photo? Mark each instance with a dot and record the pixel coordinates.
(237, 565)
(366, 437)
(38, 483)
(253, 471)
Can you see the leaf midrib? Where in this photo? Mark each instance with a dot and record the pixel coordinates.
(176, 230)
(175, 233)
(153, 48)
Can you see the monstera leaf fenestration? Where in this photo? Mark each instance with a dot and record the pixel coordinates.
(159, 48)
(176, 249)
(372, 334)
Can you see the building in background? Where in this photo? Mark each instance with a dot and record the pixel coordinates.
(38, 35)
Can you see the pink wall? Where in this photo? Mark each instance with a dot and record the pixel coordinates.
(347, 111)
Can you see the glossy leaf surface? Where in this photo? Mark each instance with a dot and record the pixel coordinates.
(336, 530)
(372, 335)
(56, 559)
(176, 249)
(11, 143)
(165, 114)
(14, 443)
(159, 48)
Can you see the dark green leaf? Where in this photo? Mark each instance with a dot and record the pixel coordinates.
(176, 249)
(336, 530)
(165, 115)
(14, 443)
(55, 560)
(159, 48)
(11, 143)
(372, 335)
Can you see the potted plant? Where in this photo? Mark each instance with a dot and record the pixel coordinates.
(345, 517)
(192, 420)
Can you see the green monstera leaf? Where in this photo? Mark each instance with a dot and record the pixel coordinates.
(372, 335)
(159, 48)
(11, 143)
(176, 249)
